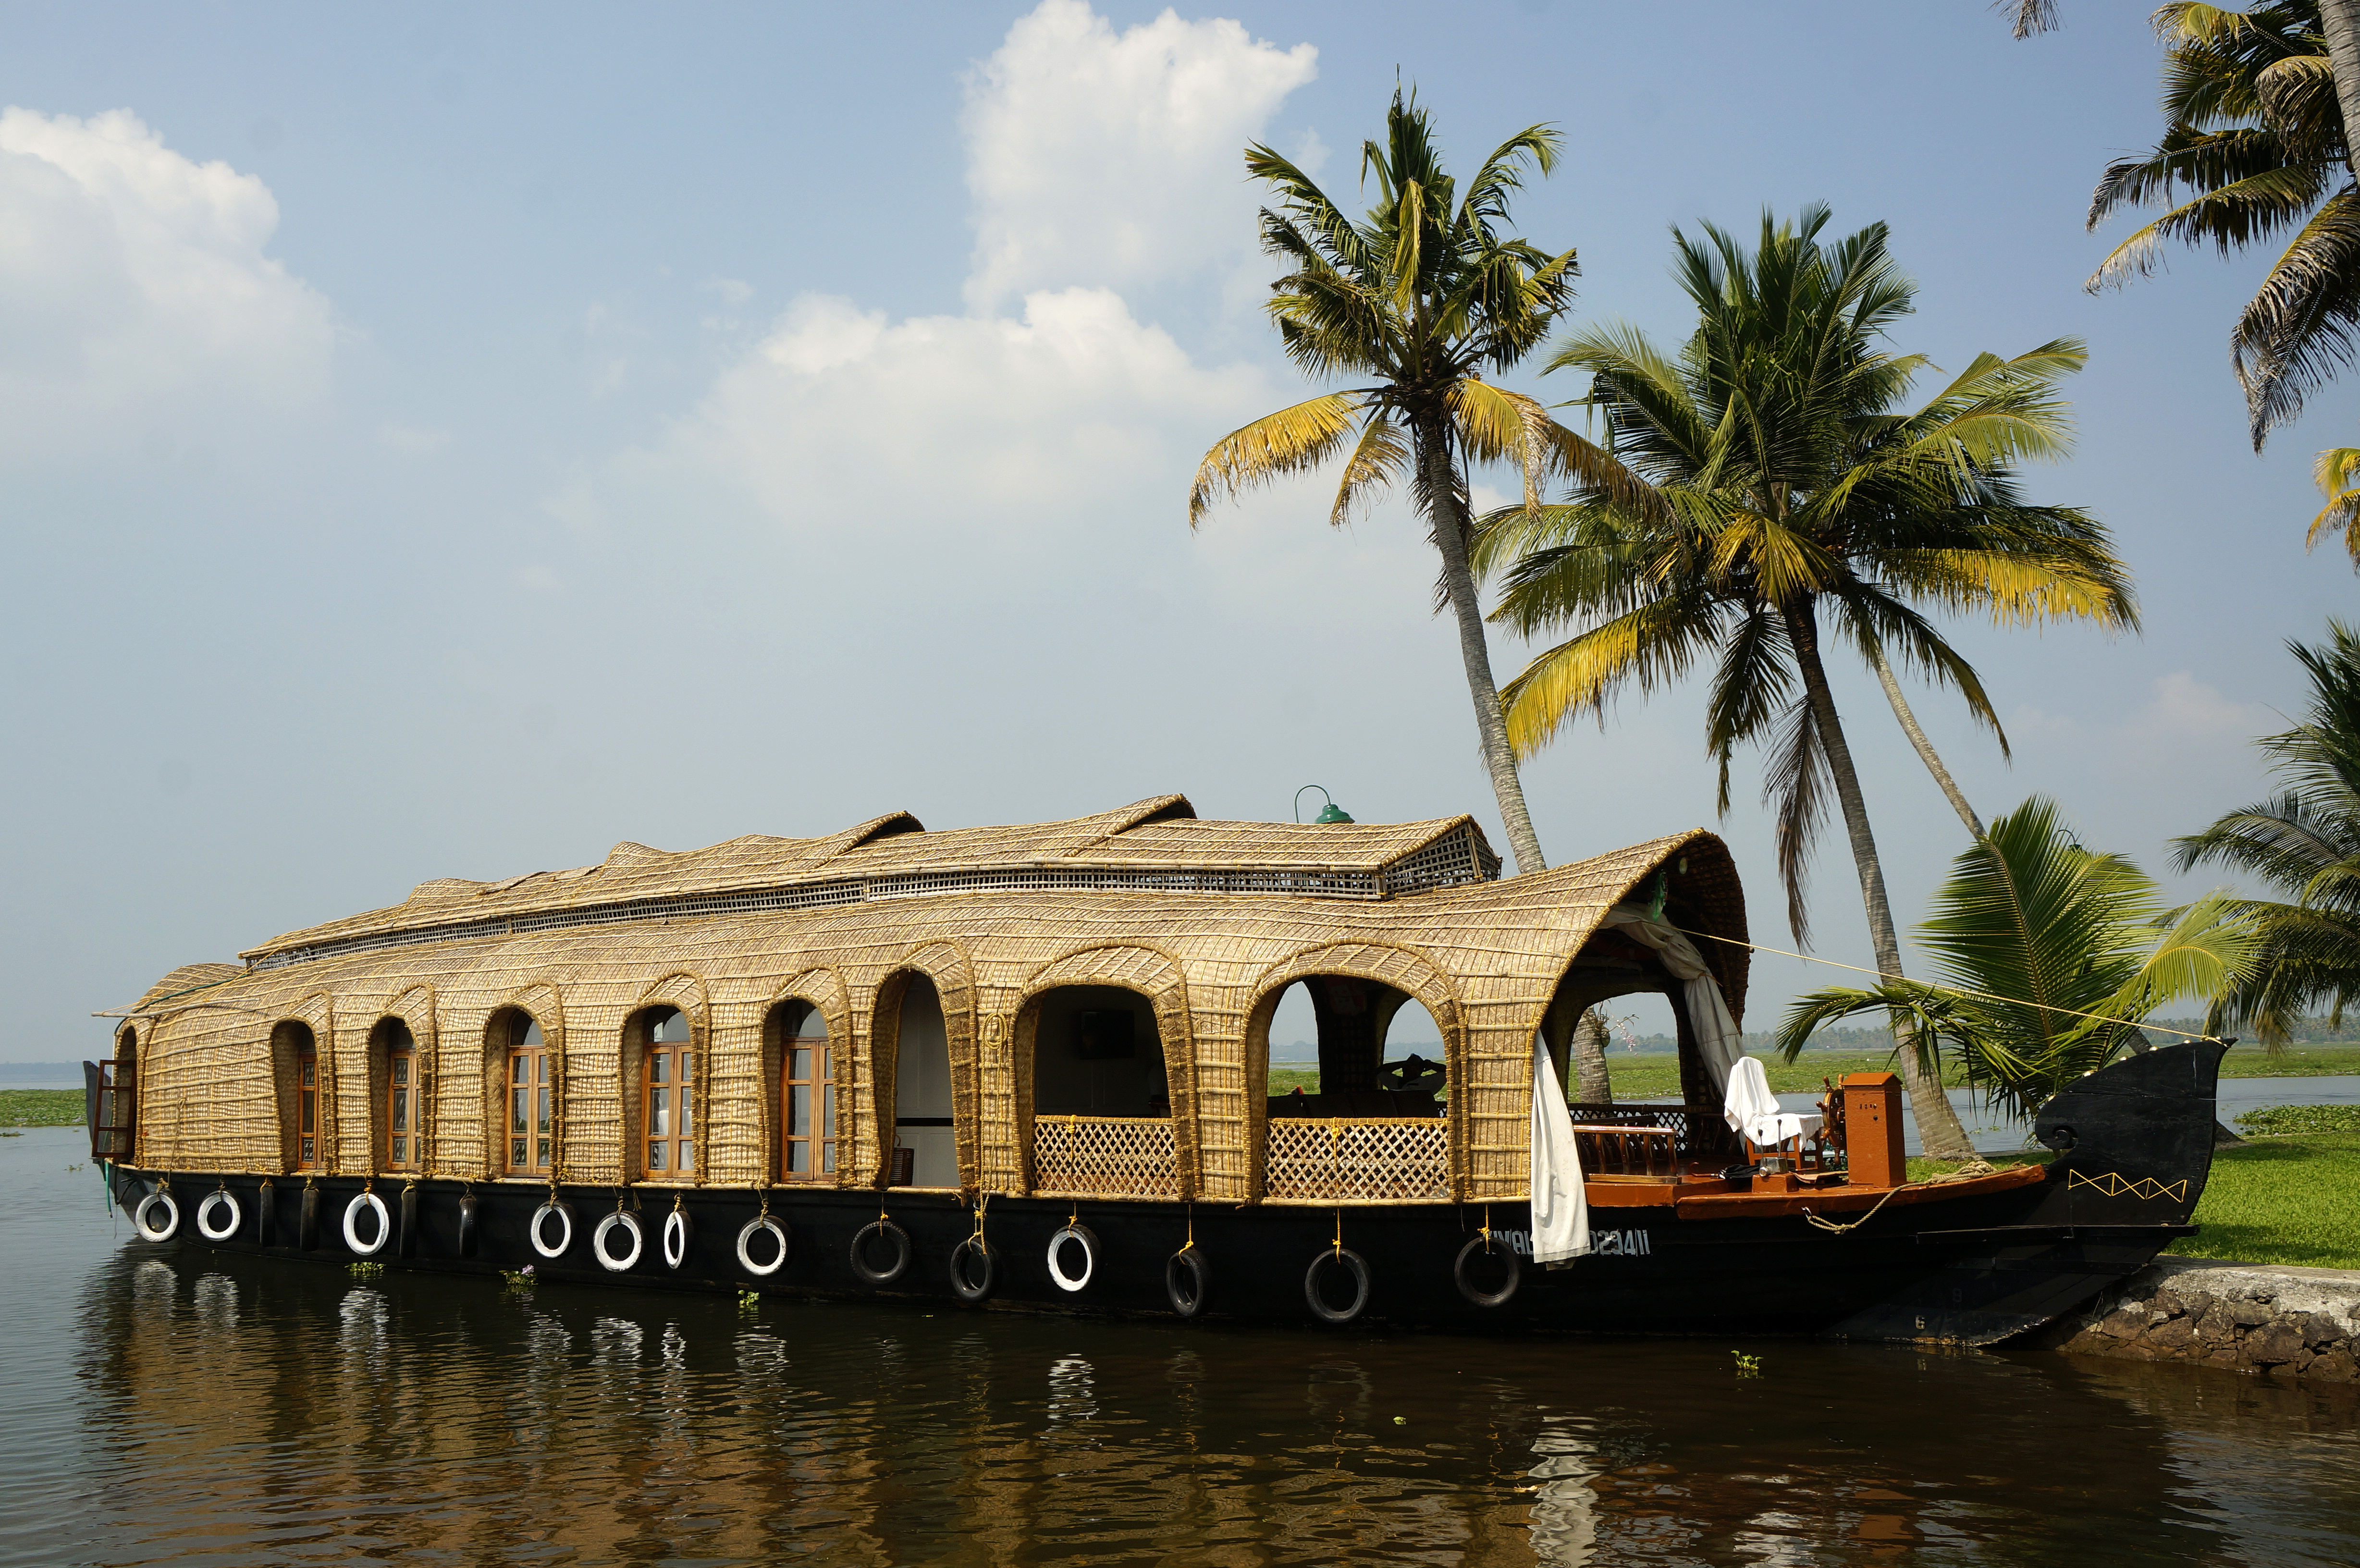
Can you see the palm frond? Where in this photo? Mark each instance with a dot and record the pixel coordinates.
(1292, 441)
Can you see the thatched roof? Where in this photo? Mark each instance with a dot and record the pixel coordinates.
(1159, 844)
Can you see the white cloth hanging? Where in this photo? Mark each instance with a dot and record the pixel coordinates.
(1716, 1029)
(1560, 1207)
(1751, 1109)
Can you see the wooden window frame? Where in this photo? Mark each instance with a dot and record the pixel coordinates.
(668, 1071)
(539, 1063)
(311, 1136)
(404, 1103)
(820, 1141)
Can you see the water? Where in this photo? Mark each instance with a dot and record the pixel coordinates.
(187, 1407)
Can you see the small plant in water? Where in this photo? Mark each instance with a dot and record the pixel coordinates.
(749, 1300)
(518, 1278)
(1747, 1365)
(365, 1270)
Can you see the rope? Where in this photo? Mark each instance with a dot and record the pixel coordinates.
(1951, 990)
(1965, 1172)
(1192, 1229)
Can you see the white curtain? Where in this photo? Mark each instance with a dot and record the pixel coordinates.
(1708, 1009)
(1561, 1207)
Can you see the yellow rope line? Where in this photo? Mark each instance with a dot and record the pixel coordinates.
(1930, 986)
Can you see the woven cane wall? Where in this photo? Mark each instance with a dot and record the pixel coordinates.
(1484, 958)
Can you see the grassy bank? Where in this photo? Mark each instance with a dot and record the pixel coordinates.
(40, 1108)
(2283, 1200)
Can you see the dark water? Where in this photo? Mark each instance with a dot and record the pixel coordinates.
(183, 1407)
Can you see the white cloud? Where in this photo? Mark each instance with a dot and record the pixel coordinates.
(939, 416)
(135, 289)
(2183, 708)
(1114, 158)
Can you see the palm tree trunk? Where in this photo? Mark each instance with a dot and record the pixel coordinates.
(1939, 1127)
(2340, 20)
(1926, 752)
(1597, 1087)
(1447, 513)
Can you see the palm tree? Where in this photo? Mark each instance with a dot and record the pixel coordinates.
(1421, 298)
(1786, 485)
(2304, 843)
(2254, 107)
(2050, 955)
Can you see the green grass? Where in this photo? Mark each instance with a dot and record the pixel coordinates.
(2283, 1200)
(2295, 1061)
(40, 1108)
(2289, 1121)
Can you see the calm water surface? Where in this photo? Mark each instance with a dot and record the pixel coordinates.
(181, 1407)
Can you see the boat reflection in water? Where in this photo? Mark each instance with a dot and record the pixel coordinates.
(239, 1410)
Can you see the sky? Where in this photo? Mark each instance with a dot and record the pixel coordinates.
(447, 441)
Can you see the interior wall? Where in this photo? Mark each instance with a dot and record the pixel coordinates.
(922, 1088)
(1068, 1083)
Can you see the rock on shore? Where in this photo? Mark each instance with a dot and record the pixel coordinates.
(2243, 1317)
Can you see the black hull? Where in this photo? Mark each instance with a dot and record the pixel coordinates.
(1975, 1268)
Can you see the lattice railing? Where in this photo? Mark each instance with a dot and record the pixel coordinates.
(1396, 1158)
(1106, 1156)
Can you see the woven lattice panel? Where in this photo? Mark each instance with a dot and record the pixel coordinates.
(1397, 1158)
(1104, 1156)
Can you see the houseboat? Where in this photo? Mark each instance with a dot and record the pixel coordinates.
(1029, 1066)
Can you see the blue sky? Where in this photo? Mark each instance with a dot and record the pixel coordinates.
(448, 442)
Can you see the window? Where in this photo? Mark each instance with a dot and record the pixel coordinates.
(405, 1133)
(806, 1096)
(530, 1099)
(668, 1109)
(307, 1107)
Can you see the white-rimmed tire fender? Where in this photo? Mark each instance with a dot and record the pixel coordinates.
(376, 1205)
(679, 1231)
(754, 1228)
(150, 1231)
(220, 1197)
(1088, 1242)
(565, 1213)
(621, 1219)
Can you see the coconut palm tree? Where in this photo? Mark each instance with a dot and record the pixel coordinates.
(2304, 843)
(2049, 956)
(2253, 149)
(1793, 498)
(1420, 298)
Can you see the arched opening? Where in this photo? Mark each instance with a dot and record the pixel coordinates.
(397, 1093)
(1096, 1052)
(1372, 1050)
(662, 1093)
(925, 1130)
(528, 1115)
(797, 1032)
(295, 1065)
(1094, 1059)
(1618, 985)
(1353, 1077)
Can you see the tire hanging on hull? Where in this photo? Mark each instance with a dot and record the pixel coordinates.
(1354, 1265)
(1188, 1281)
(986, 1267)
(1506, 1292)
(888, 1231)
(221, 1197)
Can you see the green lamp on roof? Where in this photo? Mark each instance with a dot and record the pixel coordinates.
(1330, 813)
